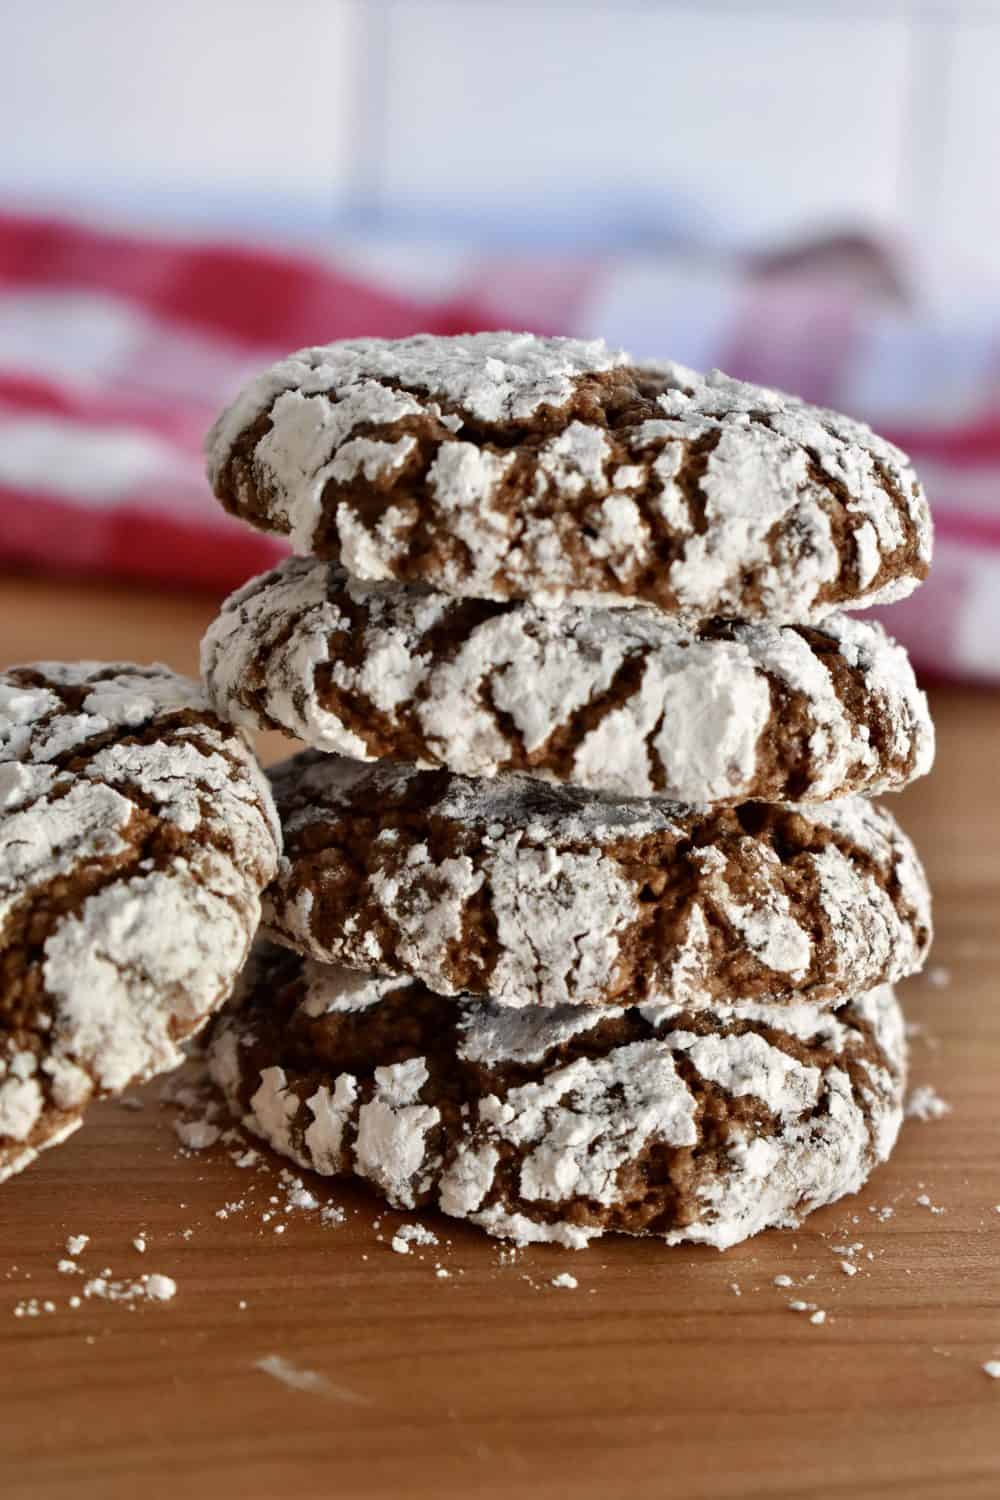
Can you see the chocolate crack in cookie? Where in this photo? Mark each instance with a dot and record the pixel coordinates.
(628, 702)
(543, 895)
(136, 835)
(705, 1125)
(504, 466)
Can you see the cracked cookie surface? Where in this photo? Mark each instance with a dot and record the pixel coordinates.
(627, 702)
(136, 835)
(560, 1125)
(544, 895)
(510, 466)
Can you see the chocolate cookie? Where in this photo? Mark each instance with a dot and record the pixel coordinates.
(504, 466)
(544, 895)
(136, 834)
(704, 1125)
(622, 701)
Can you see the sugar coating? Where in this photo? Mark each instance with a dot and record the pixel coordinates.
(569, 882)
(694, 725)
(171, 833)
(597, 504)
(393, 1125)
(551, 1152)
(758, 475)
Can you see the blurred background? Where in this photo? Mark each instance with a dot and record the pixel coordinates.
(805, 194)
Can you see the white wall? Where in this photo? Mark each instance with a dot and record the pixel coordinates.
(759, 118)
(243, 101)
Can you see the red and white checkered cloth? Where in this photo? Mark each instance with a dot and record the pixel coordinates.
(117, 351)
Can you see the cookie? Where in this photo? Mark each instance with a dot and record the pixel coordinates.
(627, 702)
(705, 1125)
(543, 895)
(136, 835)
(502, 465)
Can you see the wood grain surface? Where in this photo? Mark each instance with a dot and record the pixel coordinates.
(651, 1378)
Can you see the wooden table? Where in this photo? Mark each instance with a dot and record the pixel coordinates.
(651, 1378)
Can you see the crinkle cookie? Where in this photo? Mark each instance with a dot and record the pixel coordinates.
(543, 895)
(627, 702)
(705, 1125)
(136, 834)
(502, 465)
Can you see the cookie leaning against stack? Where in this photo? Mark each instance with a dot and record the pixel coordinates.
(607, 939)
(136, 835)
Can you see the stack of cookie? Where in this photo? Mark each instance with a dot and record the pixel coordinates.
(604, 938)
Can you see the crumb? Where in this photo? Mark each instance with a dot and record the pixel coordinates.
(157, 1287)
(800, 1306)
(140, 1244)
(412, 1234)
(565, 1280)
(734, 1287)
(279, 1228)
(924, 1103)
(32, 1308)
(248, 1158)
(134, 1104)
(783, 1281)
(331, 1213)
(992, 1369)
(196, 1135)
(67, 1268)
(297, 1380)
(819, 1316)
(76, 1244)
(297, 1194)
(848, 1268)
(160, 1288)
(441, 1273)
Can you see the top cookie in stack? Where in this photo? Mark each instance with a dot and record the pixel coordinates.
(505, 466)
(532, 561)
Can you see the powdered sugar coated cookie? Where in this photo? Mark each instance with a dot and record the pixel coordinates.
(560, 1125)
(627, 702)
(537, 894)
(136, 834)
(509, 466)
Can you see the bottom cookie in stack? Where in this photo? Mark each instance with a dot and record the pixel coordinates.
(560, 1124)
